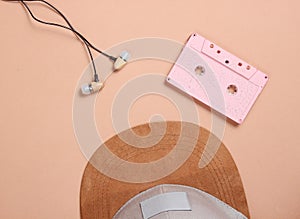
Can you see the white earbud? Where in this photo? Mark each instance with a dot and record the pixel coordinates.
(121, 60)
(93, 87)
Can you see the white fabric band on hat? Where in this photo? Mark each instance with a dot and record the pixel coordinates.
(172, 201)
(193, 203)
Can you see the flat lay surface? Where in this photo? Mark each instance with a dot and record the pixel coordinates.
(41, 162)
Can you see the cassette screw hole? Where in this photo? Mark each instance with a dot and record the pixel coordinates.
(211, 46)
(266, 77)
(240, 64)
(199, 70)
(232, 89)
(248, 67)
(226, 61)
(218, 51)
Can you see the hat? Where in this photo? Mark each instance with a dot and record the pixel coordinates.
(102, 196)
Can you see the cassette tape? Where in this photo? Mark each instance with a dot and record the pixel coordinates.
(217, 78)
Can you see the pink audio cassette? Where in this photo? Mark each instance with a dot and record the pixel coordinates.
(217, 78)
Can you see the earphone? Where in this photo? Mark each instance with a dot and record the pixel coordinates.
(95, 85)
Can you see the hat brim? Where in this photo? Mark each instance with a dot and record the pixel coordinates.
(102, 196)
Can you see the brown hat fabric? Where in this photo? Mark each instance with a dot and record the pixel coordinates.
(102, 196)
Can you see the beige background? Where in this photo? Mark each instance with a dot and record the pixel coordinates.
(41, 164)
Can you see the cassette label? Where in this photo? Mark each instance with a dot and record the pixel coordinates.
(207, 72)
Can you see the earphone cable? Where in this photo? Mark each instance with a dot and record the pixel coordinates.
(86, 42)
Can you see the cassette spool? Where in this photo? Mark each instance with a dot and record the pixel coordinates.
(217, 78)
